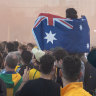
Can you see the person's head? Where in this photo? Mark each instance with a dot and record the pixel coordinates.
(46, 64)
(71, 68)
(26, 57)
(37, 54)
(4, 43)
(92, 57)
(16, 44)
(11, 60)
(9, 47)
(22, 48)
(59, 54)
(30, 46)
(71, 13)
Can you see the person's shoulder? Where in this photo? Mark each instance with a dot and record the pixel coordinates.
(32, 82)
(81, 92)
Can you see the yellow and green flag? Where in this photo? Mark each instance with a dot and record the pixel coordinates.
(12, 81)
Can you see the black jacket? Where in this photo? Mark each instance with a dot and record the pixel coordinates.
(40, 87)
(90, 78)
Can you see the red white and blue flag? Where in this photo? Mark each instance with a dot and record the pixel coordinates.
(52, 31)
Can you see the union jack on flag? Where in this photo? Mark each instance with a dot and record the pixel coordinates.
(52, 31)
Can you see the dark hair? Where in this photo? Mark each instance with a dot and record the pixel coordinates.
(26, 57)
(30, 44)
(59, 53)
(10, 46)
(16, 44)
(79, 55)
(23, 47)
(4, 43)
(11, 60)
(71, 13)
(71, 68)
(46, 63)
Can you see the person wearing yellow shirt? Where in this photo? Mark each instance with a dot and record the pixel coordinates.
(71, 68)
(34, 73)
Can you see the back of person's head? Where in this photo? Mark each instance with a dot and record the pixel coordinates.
(71, 13)
(92, 57)
(16, 44)
(10, 47)
(46, 64)
(71, 68)
(26, 57)
(11, 60)
(59, 53)
(19, 57)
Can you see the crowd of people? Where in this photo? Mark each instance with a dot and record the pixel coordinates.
(26, 70)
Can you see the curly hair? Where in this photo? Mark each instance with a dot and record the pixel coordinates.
(71, 13)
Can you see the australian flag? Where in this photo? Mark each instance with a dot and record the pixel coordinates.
(52, 31)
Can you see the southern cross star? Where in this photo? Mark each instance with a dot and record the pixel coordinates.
(88, 46)
(50, 37)
(81, 28)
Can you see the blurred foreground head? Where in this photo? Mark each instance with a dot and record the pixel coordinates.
(71, 68)
(46, 64)
(11, 60)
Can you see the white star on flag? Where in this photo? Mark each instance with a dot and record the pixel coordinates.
(88, 46)
(50, 37)
(81, 27)
(83, 19)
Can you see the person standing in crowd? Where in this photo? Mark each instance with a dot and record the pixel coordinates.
(9, 47)
(71, 69)
(2, 88)
(16, 45)
(43, 86)
(30, 46)
(10, 77)
(59, 54)
(71, 13)
(26, 57)
(90, 72)
(22, 48)
(35, 71)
